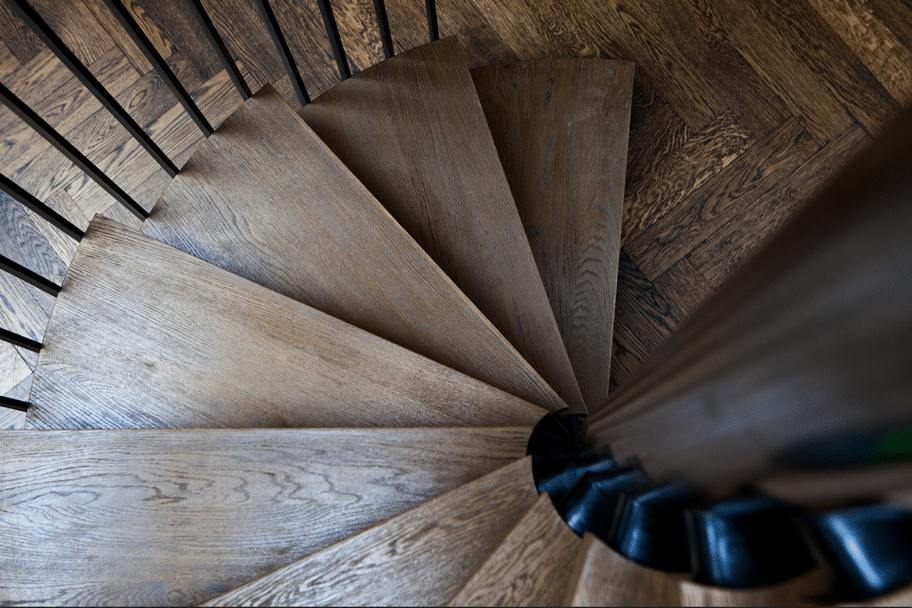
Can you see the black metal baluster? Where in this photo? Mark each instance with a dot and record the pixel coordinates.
(272, 26)
(32, 278)
(53, 42)
(154, 57)
(39, 208)
(431, 10)
(14, 404)
(383, 23)
(69, 150)
(335, 41)
(216, 41)
(20, 341)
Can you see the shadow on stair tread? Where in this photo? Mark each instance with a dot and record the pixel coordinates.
(265, 199)
(411, 129)
(147, 336)
(422, 557)
(561, 128)
(530, 568)
(181, 516)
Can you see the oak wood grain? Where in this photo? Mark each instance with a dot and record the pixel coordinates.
(146, 336)
(177, 517)
(439, 175)
(530, 568)
(677, 174)
(560, 128)
(720, 198)
(422, 557)
(873, 42)
(609, 579)
(265, 199)
(721, 253)
(683, 287)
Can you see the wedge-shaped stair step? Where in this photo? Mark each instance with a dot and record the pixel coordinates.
(811, 589)
(532, 566)
(608, 579)
(146, 336)
(178, 517)
(412, 130)
(267, 200)
(422, 557)
(560, 127)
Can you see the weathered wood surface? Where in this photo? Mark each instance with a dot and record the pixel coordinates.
(147, 336)
(422, 557)
(267, 200)
(438, 173)
(560, 127)
(609, 579)
(178, 517)
(531, 567)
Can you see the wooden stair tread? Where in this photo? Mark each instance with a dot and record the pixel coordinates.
(608, 579)
(810, 589)
(146, 336)
(412, 130)
(422, 557)
(560, 127)
(530, 568)
(267, 200)
(182, 516)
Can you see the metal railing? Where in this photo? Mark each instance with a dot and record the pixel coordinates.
(31, 18)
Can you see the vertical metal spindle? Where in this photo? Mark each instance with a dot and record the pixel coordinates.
(20, 109)
(20, 341)
(383, 24)
(32, 278)
(272, 26)
(33, 204)
(154, 57)
(14, 404)
(216, 41)
(335, 41)
(431, 10)
(32, 19)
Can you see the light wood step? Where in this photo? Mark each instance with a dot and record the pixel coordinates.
(412, 130)
(533, 567)
(422, 557)
(146, 336)
(811, 589)
(179, 517)
(609, 579)
(267, 200)
(560, 127)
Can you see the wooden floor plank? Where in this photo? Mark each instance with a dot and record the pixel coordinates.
(718, 256)
(77, 27)
(711, 54)
(560, 128)
(530, 568)
(440, 177)
(779, 61)
(873, 42)
(201, 347)
(683, 287)
(422, 557)
(343, 252)
(180, 517)
(839, 69)
(721, 198)
(608, 579)
(677, 174)
(20, 39)
(897, 16)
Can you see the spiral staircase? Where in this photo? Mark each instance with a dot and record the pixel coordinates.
(312, 376)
